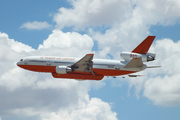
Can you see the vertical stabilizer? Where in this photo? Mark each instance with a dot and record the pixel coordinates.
(144, 46)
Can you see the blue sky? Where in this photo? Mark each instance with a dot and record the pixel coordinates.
(75, 28)
(24, 11)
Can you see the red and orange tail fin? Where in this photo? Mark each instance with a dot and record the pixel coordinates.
(144, 46)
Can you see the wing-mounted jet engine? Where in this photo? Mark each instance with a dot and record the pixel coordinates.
(127, 56)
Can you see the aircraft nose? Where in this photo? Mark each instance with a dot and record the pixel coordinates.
(18, 63)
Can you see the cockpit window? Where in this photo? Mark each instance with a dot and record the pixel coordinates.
(21, 59)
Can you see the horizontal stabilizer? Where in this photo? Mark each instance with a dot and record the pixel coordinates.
(135, 63)
(135, 75)
(153, 66)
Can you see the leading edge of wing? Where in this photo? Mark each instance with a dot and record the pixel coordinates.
(86, 58)
(84, 64)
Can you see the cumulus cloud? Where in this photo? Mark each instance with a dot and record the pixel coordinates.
(92, 13)
(94, 109)
(129, 21)
(73, 43)
(136, 26)
(35, 25)
(41, 95)
(133, 14)
(150, 12)
(163, 87)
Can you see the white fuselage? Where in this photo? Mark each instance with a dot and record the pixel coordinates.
(30, 63)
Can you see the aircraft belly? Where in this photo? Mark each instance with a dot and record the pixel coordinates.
(110, 72)
(78, 76)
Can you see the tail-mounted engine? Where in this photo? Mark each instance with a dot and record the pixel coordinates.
(145, 57)
(63, 69)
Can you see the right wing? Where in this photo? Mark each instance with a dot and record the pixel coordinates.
(84, 65)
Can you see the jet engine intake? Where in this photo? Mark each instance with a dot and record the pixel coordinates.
(150, 58)
(145, 57)
(63, 69)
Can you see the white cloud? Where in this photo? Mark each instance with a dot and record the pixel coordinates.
(136, 26)
(150, 12)
(92, 13)
(95, 109)
(66, 44)
(164, 91)
(15, 45)
(114, 13)
(35, 94)
(35, 25)
(129, 21)
(163, 85)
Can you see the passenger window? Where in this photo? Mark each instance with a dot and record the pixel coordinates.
(21, 60)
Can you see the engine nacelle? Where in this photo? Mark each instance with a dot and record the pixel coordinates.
(145, 57)
(63, 69)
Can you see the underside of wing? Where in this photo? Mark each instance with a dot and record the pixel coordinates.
(85, 64)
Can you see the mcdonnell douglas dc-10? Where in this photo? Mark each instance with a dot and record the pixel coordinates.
(88, 68)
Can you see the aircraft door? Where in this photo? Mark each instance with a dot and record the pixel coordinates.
(49, 63)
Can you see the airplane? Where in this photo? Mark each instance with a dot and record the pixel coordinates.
(87, 68)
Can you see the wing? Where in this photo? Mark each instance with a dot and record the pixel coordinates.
(84, 65)
(134, 63)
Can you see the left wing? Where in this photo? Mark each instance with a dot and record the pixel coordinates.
(134, 63)
(84, 65)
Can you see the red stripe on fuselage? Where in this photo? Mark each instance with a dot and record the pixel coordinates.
(52, 69)
(39, 68)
